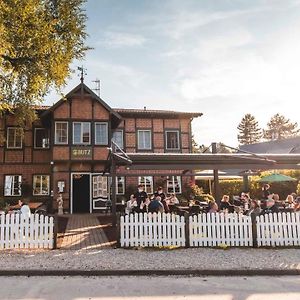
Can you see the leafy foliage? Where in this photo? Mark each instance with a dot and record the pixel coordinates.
(249, 131)
(38, 41)
(280, 128)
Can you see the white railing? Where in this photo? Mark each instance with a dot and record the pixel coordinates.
(152, 230)
(216, 229)
(19, 232)
(278, 229)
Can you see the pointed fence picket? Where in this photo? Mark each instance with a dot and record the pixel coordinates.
(17, 232)
(152, 230)
(278, 229)
(215, 229)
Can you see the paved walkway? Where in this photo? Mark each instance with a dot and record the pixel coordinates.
(84, 232)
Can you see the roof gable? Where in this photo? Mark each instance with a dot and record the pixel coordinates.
(81, 88)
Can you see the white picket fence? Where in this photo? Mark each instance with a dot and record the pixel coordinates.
(278, 229)
(216, 229)
(152, 230)
(33, 232)
(209, 230)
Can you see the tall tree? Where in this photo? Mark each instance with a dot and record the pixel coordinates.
(38, 41)
(249, 131)
(279, 127)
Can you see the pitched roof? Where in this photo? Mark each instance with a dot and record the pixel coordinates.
(286, 146)
(89, 91)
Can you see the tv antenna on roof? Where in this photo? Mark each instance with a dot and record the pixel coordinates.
(82, 73)
(97, 88)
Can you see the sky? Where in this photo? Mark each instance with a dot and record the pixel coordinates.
(224, 58)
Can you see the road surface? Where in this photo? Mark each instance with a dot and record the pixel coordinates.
(150, 288)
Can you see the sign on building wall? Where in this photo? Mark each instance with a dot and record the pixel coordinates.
(81, 152)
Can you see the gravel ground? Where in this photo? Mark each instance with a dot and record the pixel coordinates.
(145, 259)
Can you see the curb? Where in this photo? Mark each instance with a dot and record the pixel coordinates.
(192, 272)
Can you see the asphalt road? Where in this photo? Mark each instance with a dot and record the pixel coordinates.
(150, 288)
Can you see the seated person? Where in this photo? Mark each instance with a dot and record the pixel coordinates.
(270, 207)
(155, 205)
(225, 205)
(212, 207)
(131, 205)
(144, 207)
(289, 201)
(24, 210)
(254, 210)
(173, 199)
(297, 204)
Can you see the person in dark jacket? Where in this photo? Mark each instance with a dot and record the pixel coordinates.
(225, 205)
(265, 191)
(155, 205)
(270, 207)
(160, 193)
(140, 197)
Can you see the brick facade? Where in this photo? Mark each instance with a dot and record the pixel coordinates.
(70, 164)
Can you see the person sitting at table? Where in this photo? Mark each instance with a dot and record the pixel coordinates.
(270, 206)
(140, 196)
(144, 207)
(173, 199)
(254, 210)
(225, 205)
(289, 201)
(24, 209)
(160, 193)
(155, 205)
(212, 207)
(131, 205)
(297, 205)
(266, 191)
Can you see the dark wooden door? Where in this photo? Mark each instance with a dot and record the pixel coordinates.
(81, 193)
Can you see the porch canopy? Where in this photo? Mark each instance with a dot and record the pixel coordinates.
(212, 161)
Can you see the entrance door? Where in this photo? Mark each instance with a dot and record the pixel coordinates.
(100, 192)
(81, 193)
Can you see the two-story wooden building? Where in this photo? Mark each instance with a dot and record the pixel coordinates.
(67, 149)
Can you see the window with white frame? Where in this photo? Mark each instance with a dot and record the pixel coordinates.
(174, 184)
(144, 140)
(41, 138)
(61, 133)
(81, 133)
(120, 185)
(99, 186)
(147, 182)
(14, 137)
(101, 133)
(118, 138)
(41, 185)
(172, 140)
(12, 185)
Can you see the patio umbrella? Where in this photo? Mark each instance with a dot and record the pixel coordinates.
(276, 178)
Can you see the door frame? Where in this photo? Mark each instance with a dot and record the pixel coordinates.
(71, 189)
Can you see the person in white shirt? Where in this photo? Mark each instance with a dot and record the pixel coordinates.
(24, 210)
(131, 205)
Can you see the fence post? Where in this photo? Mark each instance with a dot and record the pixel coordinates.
(55, 230)
(254, 230)
(118, 229)
(187, 230)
